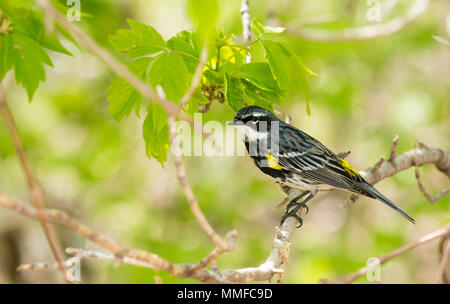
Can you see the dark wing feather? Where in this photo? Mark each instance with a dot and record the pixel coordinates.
(307, 157)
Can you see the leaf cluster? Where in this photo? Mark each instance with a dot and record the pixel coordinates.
(24, 45)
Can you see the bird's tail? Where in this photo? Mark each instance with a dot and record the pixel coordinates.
(372, 192)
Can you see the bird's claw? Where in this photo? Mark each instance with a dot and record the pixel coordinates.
(294, 215)
(307, 208)
(286, 215)
(293, 212)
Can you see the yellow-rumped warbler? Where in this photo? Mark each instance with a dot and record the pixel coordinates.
(295, 159)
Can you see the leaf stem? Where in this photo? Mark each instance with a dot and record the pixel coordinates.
(218, 58)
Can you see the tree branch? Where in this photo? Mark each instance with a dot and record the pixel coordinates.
(415, 157)
(280, 251)
(191, 198)
(61, 218)
(246, 25)
(195, 80)
(428, 196)
(443, 232)
(444, 257)
(364, 32)
(33, 186)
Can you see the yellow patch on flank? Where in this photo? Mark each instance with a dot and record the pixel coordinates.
(349, 167)
(272, 162)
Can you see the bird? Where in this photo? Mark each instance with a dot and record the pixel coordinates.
(297, 160)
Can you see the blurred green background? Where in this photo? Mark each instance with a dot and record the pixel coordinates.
(95, 168)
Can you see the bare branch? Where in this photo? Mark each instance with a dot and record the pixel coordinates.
(45, 266)
(378, 164)
(350, 201)
(282, 203)
(428, 196)
(33, 186)
(96, 255)
(122, 254)
(230, 238)
(443, 232)
(280, 251)
(246, 25)
(277, 257)
(195, 80)
(364, 32)
(344, 154)
(444, 257)
(419, 157)
(394, 149)
(192, 199)
(61, 218)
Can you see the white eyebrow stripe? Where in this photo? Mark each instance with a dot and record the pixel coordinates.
(256, 114)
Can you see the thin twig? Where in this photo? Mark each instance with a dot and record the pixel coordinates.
(364, 32)
(246, 26)
(394, 149)
(344, 155)
(104, 256)
(195, 80)
(378, 164)
(277, 257)
(282, 203)
(61, 218)
(121, 254)
(415, 157)
(444, 257)
(45, 266)
(230, 238)
(429, 197)
(192, 199)
(443, 232)
(33, 186)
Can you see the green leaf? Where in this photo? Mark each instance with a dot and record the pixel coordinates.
(204, 14)
(28, 59)
(257, 28)
(257, 93)
(268, 30)
(169, 71)
(6, 50)
(234, 92)
(260, 30)
(280, 60)
(299, 77)
(140, 40)
(288, 70)
(188, 47)
(263, 104)
(214, 77)
(122, 96)
(259, 74)
(21, 46)
(30, 22)
(156, 133)
(52, 43)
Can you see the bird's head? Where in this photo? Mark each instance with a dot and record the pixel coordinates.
(253, 114)
(254, 121)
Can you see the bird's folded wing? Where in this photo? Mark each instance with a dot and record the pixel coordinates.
(317, 167)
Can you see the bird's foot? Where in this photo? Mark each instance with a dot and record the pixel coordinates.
(293, 212)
